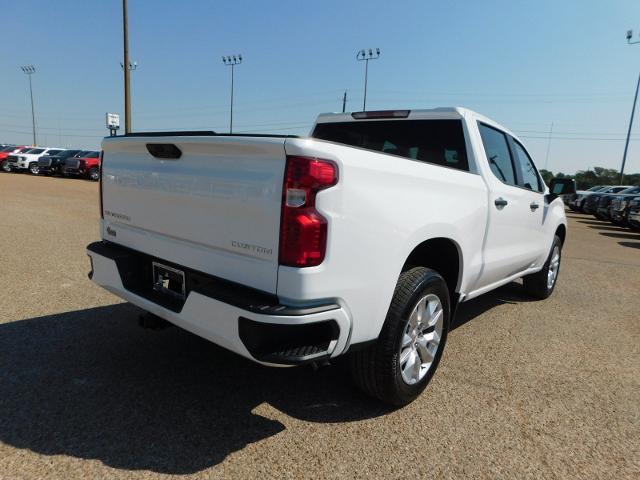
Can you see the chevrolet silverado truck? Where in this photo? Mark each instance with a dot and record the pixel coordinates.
(360, 239)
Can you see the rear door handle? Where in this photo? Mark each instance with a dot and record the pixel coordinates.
(534, 206)
(500, 202)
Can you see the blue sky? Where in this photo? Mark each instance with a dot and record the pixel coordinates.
(524, 63)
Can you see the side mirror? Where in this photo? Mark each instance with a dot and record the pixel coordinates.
(562, 186)
(559, 187)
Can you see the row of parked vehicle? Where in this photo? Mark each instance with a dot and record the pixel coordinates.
(619, 204)
(50, 161)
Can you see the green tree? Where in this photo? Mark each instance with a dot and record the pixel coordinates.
(546, 175)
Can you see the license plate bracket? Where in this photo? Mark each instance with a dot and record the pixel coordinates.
(168, 280)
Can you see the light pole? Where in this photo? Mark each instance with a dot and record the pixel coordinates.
(127, 93)
(633, 111)
(127, 71)
(30, 70)
(367, 55)
(232, 61)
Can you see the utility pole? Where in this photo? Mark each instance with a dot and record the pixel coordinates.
(232, 61)
(366, 56)
(30, 70)
(546, 160)
(633, 111)
(344, 101)
(127, 71)
(131, 66)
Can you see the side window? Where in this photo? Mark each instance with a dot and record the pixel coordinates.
(497, 150)
(530, 177)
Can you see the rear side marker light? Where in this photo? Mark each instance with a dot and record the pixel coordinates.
(303, 230)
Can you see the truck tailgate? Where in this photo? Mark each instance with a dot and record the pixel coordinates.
(215, 209)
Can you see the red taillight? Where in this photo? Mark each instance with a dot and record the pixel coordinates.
(303, 230)
(100, 185)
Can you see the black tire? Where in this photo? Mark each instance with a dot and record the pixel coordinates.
(6, 167)
(536, 285)
(94, 174)
(33, 168)
(376, 369)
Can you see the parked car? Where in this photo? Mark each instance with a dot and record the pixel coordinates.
(86, 164)
(577, 202)
(13, 157)
(28, 161)
(618, 205)
(53, 164)
(590, 204)
(633, 215)
(6, 151)
(361, 239)
(603, 210)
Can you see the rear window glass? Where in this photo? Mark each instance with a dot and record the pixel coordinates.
(440, 142)
(93, 155)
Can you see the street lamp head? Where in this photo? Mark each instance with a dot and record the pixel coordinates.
(368, 54)
(28, 69)
(629, 34)
(232, 60)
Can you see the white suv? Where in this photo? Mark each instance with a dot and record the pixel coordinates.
(29, 159)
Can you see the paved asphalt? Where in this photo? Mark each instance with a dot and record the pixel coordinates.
(526, 389)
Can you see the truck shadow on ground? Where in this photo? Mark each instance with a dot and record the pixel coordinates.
(621, 234)
(630, 244)
(596, 223)
(609, 227)
(93, 385)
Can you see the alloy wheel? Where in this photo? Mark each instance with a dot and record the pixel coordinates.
(421, 339)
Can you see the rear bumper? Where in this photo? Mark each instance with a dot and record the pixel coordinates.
(238, 318)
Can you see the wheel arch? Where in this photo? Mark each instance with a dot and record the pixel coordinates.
(443, 255)
(561, 231)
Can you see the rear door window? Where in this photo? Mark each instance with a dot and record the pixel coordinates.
(440, 142)
(530, 177)
(498, 155)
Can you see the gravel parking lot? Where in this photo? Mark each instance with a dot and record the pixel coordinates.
(526, 389)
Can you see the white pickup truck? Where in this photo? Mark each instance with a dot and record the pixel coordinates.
(359, 239)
